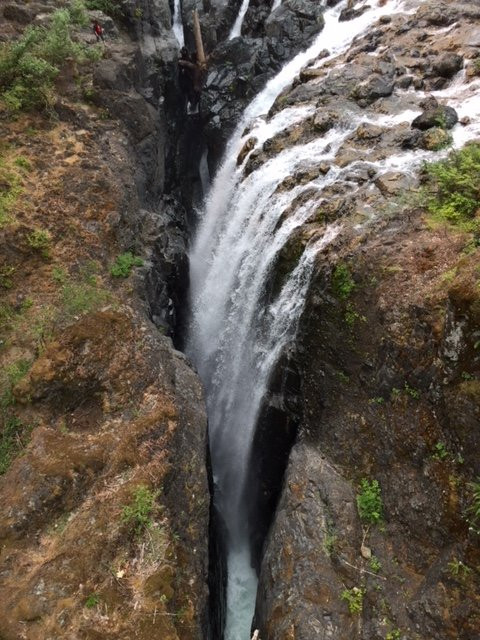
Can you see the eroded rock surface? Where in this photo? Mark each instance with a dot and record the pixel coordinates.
(387, 373)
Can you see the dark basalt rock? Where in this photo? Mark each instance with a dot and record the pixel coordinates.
(448, 65)
(435, 115)
(377, 86)
(351, 14)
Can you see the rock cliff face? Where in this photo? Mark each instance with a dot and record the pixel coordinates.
(388, 370)
(104, 489)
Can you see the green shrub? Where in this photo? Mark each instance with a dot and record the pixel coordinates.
(369, 502)
(29, 66)
(453, 188)
(352, 316)
(413, 393)
(138, 514)
(354, 599)
(26, 77)
(39, 240)
(124, 264)
(23, 163)
(78, 14)
(441, 452)
(92, 600)
(110, 7)
(375, 564)
(342, 281)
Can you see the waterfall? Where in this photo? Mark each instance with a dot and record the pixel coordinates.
(177, 23)
(236, 336)
(237, 27)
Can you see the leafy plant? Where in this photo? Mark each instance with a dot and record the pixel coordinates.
(124, 264)
(458, 569)
(473, 509)
(453, 188)
(342, 281)
(395, 634)
(440, 451)
(29, 66)
(354, 598)
(369, 502)
(138, 513)
(352, 316)
(40, 240)
(375, 564)
(77, 12)
(92, 600)
(413, 393)
(329, 543)
(23, 163)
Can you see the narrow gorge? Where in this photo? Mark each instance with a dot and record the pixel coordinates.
(240, 346)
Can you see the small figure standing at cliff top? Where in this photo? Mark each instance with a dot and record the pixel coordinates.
(98, 31)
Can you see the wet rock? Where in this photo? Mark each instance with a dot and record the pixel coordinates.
(434, 115)
(324, 168)
(448, 65)
(367, 131)
(377, 86)
(351, 14)
(324, 121)
(247, 147)
(404, 82)
(434, 139)
(391, 183)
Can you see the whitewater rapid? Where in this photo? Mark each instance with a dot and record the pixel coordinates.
(177, 23)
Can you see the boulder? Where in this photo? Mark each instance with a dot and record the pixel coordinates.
(391, 183)
(324, 121)
(377, 86)
(351, 14)
(435, 115)
(448, 65)
(434, 139)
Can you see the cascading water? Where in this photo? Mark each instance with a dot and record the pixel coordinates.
(236, 337)
(237, 25)
(177, 23)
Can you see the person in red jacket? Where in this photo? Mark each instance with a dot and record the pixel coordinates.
(98, 31)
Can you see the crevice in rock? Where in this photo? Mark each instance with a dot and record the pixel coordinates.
(275, 434)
